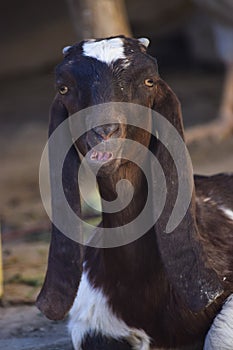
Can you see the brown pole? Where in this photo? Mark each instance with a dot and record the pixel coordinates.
(99, 19)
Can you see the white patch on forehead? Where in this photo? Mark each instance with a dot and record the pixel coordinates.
(107, 51)
(227, 212)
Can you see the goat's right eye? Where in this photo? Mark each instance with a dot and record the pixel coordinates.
(63, 89)
(149, 82)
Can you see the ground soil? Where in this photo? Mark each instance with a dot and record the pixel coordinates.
(24, 222)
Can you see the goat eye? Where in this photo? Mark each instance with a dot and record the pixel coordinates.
(63, 89)
(149, 82)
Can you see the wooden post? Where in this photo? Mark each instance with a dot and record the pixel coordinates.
(1, 266)
(226, 108)
(99, 19)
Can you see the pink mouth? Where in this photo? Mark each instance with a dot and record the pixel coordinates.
(101, 156)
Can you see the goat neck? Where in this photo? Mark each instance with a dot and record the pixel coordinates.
(107, 188)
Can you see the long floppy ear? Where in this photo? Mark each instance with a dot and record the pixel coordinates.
(183, 257)
(64, 262)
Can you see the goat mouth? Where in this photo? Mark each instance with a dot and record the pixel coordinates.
(101, 157)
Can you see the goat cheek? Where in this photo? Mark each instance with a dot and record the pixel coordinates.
(80, 144)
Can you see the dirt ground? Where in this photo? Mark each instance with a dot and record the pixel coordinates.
(24, 224)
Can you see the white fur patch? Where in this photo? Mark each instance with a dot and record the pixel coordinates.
(107, 51)
(91, 314)
(227, 212)
(220, 335)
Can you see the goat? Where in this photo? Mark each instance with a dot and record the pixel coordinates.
(161, 290)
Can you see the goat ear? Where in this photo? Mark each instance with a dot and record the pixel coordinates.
(181, 251)
(144, 41)
(64, 262)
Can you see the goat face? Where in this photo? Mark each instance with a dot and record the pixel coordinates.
(97, 72)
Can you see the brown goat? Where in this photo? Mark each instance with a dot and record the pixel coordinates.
(161, 290)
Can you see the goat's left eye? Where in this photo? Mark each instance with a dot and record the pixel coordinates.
(149, 82)
(63, 89)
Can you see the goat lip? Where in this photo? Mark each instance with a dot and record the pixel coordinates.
(100, 157)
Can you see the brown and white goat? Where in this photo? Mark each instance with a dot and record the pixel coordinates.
(161, 290)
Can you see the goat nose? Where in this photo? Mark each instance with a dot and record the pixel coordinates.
(107, 130)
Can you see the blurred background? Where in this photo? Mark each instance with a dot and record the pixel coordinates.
(193, 43)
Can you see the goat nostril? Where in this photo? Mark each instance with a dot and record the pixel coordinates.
(106, 131)
(112, 129)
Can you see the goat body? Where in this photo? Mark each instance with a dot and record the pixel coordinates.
(135, 282)
(161, 290)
